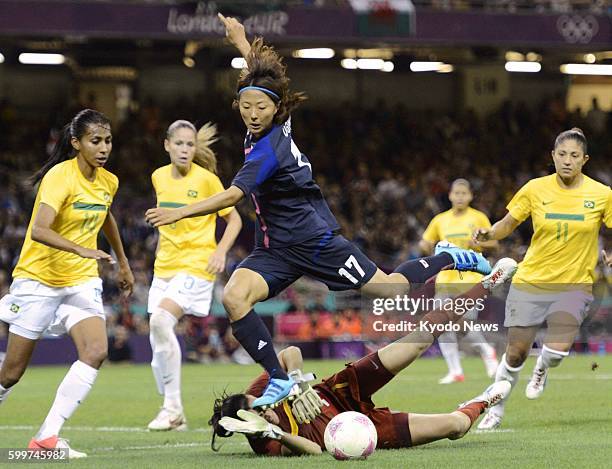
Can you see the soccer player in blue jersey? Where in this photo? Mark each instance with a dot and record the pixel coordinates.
(297, 233)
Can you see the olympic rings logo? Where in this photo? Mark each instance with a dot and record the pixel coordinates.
(578, 29)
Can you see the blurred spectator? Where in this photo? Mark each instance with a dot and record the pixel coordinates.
(384, 170)
(119, 349)
(213, 347)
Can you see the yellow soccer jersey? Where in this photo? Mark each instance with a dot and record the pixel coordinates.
(566, 223)
(81, 207)
(186, 245)
(457, 229)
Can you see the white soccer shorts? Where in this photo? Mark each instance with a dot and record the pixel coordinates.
(526, 308)
(192, 294)
(33, 308)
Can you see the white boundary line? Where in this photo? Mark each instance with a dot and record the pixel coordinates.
(101, 429)
(142, 447)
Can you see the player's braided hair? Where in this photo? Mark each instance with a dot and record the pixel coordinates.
(226, 405)
(573, 134)
(205, 137)
(265, 68)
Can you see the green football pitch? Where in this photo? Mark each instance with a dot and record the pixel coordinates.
(569, 426)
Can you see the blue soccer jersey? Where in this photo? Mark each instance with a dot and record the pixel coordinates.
(277, 177)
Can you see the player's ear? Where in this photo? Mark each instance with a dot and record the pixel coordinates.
(586, 158)
(75, 143)
(166, 145)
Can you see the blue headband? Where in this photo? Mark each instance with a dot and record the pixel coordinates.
(270, 93)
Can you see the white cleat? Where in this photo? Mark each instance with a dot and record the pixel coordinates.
(72, 453)
(491, 363)
(493, 395)
(451, 378)
(167, 420)
(502, 271)
(53, 442)
(537, 383)
(491, 421)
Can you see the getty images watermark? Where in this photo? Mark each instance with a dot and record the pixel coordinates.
(412, 310)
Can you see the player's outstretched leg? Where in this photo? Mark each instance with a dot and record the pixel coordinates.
(245, 288)
(401, 353)
(492, 396)
(465, 259)
(548, 358)
(425, 428)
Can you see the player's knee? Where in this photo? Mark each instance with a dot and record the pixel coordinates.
(157, 326)
(235, 299)
(94, 354)
(516, 356)
(10, 375)
(457, 428)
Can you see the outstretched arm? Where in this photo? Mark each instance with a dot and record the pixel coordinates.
(234, 31)
(294, 445)
(165, 216)
(500, 230)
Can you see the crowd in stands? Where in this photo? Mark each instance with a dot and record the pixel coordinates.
(384, 170)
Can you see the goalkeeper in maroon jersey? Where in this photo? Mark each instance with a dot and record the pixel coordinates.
(298, 427)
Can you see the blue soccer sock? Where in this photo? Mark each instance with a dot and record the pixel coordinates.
(254, 336)
(421, 270)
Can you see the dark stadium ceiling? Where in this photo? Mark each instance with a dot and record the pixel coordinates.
(86, 52)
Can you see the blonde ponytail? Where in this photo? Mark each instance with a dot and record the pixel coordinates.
(204, 155)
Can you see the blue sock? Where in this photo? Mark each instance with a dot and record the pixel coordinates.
(254, 336)
(421, 270)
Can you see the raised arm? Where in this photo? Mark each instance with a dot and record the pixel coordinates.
(500, 230)
(234, 31)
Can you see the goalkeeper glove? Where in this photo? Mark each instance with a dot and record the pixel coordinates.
(307, 405)
(251, 424)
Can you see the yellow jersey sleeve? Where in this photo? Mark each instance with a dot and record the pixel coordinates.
(432, 233)
(54, 188)
(607, 218)
(154, 181)
(215, 188)
(520, 205)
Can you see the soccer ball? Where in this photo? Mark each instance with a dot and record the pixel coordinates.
(350, 435)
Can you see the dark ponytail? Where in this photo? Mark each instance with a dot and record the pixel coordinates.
(572, 134)
(63, 149)
(226, 405)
